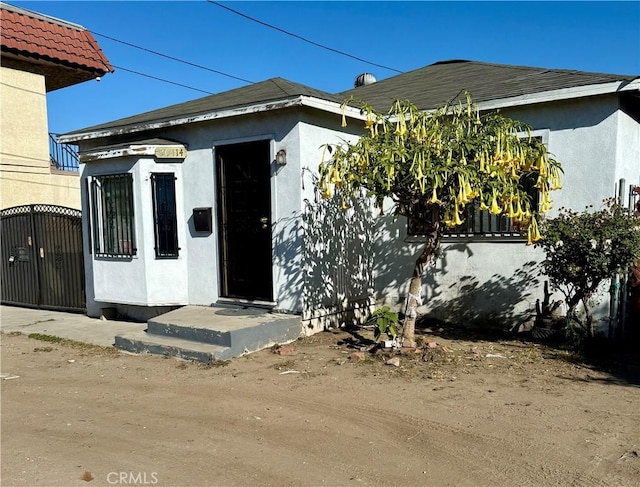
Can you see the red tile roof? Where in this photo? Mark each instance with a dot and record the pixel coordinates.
(38, 36)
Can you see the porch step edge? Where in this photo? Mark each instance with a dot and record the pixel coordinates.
(190, 332)
(144, 343)
(251, 337)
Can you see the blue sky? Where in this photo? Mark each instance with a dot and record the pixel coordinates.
(587, 36)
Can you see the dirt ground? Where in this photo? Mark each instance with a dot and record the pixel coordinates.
(461, 413)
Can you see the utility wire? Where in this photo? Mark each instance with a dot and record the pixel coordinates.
(152, 77)
(302, 38)
(171, 57)
(162, 79)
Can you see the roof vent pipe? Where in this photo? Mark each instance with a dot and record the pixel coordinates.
(364, 79)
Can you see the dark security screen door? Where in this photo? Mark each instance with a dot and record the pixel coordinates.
(244, 216)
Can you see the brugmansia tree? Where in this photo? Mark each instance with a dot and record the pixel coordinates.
(432, 165)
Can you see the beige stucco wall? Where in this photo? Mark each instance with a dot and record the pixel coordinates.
(25, 173)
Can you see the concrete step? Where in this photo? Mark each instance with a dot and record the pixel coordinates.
(207, 333)
(143, 342)
(240, 329)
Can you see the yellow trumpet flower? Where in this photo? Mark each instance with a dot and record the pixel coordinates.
(327, 191)
(519, 214)
(456, 219)
(495, 209)
(471, 193)
(335, 176)
(533, 233)
(462, 199)
(545, 202)
(434, 198)
(542, 166)
(448, 221)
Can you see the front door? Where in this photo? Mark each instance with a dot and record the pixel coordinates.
(244, 219)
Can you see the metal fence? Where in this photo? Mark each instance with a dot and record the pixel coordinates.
(63, 157)
(42, 263)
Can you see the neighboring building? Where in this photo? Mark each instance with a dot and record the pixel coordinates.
(41, 238)
(39, 54)
(213, 200)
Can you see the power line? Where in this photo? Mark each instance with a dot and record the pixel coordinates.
(171, 57)
(162, 79)
(302, 38)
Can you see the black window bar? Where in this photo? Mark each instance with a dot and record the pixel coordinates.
(164, 215)
(113, 215)
(63, 157)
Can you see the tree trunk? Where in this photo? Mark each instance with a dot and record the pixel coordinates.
(588, 316)
(572, 312)
(414, 299)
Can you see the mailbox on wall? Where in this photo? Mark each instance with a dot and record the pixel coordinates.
(202, 219)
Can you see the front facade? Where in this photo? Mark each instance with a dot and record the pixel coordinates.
(213, 201)
(208, 212)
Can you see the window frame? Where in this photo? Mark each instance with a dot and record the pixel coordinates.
(471, 213)
(170, 219)
(120, 210)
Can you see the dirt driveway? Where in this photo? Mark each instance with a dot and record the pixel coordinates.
(464, 413)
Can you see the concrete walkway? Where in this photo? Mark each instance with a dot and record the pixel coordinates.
(72, 326)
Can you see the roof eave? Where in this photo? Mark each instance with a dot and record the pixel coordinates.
(300, 100)
(561, 94)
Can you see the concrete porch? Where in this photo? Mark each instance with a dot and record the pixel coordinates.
(209, 333)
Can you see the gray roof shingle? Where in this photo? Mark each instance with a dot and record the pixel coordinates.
(426, 87)
(270, 90)
(433, 85)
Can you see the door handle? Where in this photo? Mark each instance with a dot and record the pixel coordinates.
(264, 220)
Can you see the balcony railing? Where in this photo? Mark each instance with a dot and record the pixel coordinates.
(63, 157)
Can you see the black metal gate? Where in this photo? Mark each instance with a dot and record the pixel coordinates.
(42, 264)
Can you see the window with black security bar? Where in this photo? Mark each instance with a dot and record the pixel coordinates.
(112, 216)
(164, 215)
(477, 222)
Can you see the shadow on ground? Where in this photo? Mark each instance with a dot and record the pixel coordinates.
(619, 359)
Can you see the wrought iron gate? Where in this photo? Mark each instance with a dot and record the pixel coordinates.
(42, 263)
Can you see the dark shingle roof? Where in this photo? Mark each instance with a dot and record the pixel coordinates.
(426, 87)
(433, 85)
(274, 89)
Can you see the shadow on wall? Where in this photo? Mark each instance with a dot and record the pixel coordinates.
(394, 262)
(287, 241)
(497, 301)
(492, 304)
(337, 262)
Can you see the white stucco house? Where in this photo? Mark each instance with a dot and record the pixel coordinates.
(213, 200)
